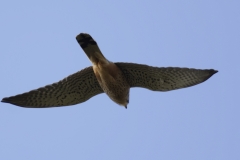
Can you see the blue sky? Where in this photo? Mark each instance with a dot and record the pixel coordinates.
(38, 47)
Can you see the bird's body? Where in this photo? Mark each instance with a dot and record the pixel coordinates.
(115, 79)
(109, 76)
(112, 81)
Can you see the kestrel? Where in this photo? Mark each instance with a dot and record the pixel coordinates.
(104, 76)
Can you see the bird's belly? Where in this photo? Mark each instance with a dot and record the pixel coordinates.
(113, 83)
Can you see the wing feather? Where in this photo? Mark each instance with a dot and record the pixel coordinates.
(74, 89)
(163, 79)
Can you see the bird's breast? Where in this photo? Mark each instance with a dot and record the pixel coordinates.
(113, 82)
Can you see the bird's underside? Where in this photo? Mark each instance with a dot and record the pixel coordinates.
(114, 79)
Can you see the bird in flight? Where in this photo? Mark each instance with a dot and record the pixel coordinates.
(104, 76)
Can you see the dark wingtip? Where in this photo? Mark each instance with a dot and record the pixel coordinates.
(10, 100)
(208, 73)
(212, 72)
(5, 100)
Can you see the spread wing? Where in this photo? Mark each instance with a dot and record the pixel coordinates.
(74, 89)
(163, 79)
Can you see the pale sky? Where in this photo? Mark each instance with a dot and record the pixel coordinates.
(38, 47)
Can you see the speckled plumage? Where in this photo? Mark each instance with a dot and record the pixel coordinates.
(115, 79)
